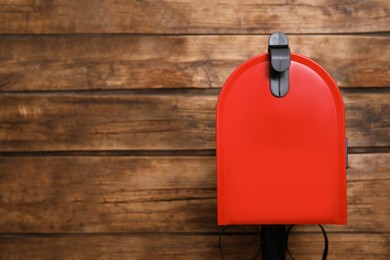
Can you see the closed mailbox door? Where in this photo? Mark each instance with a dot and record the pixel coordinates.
(281, 160)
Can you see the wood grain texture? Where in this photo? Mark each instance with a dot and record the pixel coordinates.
(85, 63)
(194, 17)
(61, 122)
(303, 246)
(151, 194)
(92, 91)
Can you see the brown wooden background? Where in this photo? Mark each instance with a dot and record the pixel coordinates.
(107, 123)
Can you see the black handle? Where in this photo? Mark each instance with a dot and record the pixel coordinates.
(280, 61)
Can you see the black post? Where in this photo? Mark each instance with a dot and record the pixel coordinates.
(273, 242)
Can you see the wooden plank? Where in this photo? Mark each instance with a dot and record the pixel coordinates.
(107, 194)
(341, 246)
(74, 63)
(303, 246)
(368, 166)
(68, 194)
(193, 17)
(52, 122)
(363, 122)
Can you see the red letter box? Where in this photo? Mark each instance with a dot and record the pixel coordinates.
(281, 153)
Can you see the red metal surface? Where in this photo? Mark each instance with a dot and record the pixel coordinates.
(281, 160)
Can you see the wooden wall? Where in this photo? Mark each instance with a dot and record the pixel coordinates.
(107, 123)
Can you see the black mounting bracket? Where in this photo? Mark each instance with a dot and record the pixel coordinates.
(273, 242)
(280, 61)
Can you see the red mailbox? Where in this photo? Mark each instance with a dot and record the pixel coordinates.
(281, 145)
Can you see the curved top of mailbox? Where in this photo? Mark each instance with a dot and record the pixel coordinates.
(295, 58)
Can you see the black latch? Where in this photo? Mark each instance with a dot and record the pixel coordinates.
(280, 61)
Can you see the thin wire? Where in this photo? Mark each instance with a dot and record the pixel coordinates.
(326, 247)
(326, 242)
(287, 234)
(220, 241)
